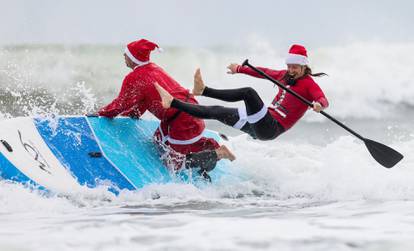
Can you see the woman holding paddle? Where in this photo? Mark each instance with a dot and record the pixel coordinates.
(298, 91)
(255, 119)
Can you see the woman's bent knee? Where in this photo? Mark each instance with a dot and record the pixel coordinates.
(249, 92)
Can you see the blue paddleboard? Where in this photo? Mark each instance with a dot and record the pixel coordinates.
(70, 153)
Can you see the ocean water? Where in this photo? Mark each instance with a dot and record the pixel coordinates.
(314, 188)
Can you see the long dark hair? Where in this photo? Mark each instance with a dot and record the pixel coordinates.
(308, 71)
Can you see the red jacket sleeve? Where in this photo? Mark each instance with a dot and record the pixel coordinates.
(317, 95)
(127, 103)
(272, 73)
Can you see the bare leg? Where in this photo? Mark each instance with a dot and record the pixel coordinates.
(247, 94)
(264, 129)
(166, 98)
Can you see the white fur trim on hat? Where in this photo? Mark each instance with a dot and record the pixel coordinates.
(129, 54)
(297, 59)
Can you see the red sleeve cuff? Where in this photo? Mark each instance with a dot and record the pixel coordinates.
(238, 69)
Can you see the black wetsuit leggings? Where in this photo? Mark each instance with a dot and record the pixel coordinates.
(266, 128)
(205, 160)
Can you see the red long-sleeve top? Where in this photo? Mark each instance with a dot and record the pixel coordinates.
(286, 108)
(138, 94)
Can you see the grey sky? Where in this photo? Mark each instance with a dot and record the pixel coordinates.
(204, 23)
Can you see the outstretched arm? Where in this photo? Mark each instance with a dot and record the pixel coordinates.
(236, 68)
(127, 102)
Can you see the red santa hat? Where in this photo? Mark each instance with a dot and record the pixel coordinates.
(139, 51)
(297, 55)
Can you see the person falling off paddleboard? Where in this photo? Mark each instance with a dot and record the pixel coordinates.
(254, 118)
(179, 133)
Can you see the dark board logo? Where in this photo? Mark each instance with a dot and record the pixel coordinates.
(34, 152)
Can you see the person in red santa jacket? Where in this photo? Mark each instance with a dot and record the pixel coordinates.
(179, 133)
(254, 118)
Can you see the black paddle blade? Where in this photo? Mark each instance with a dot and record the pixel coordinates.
(385, 155)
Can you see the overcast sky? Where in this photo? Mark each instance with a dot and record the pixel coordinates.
(206, 22)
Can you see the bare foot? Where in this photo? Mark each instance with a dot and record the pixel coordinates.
(224, 153)
(166, 97)
(198, 83)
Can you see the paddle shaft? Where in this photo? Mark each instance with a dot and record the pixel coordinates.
(307, 102)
